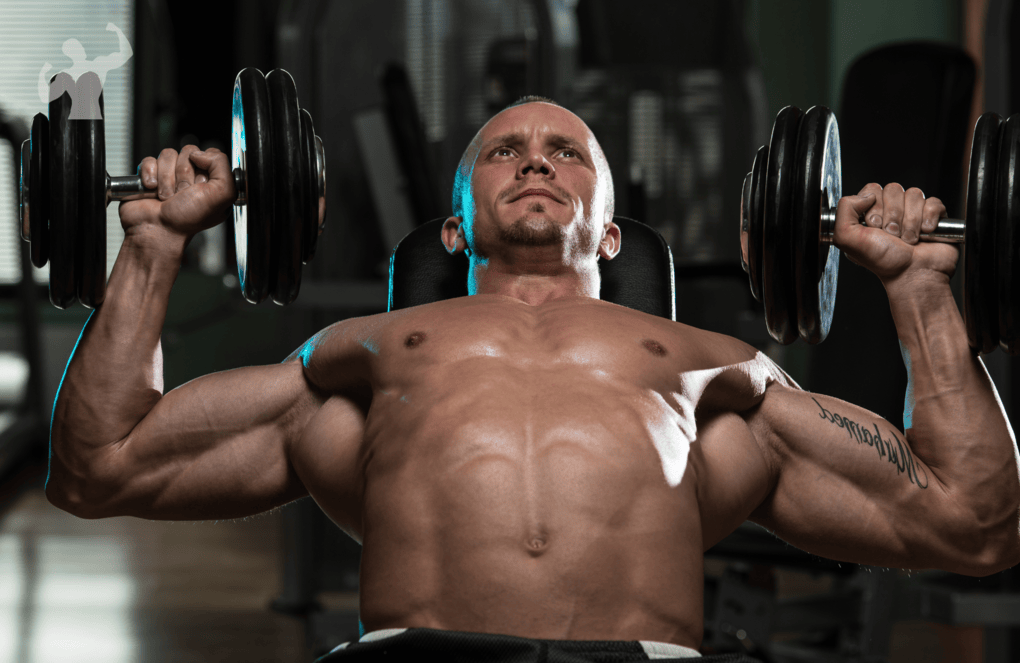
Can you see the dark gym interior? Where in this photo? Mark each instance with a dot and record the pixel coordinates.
(680, 94)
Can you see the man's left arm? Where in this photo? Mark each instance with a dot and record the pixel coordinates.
(953, 416)
(951, 497)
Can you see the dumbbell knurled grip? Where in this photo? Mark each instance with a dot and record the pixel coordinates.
(948, 231)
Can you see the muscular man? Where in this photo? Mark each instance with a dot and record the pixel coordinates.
(531, 462)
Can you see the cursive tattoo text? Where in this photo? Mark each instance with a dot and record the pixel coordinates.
(894, 451)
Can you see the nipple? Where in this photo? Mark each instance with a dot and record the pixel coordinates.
(414, 340)
(654, 347)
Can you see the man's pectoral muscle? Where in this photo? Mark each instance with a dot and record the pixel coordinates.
(849, 487)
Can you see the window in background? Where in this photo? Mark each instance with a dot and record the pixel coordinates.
(427, 23)
(32, 34)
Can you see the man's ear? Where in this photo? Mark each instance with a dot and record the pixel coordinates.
(610, 244)
(453, 238)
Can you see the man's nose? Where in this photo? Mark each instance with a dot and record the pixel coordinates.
(536, 162)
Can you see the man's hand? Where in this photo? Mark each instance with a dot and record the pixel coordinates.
(195, 190)
(887, 244)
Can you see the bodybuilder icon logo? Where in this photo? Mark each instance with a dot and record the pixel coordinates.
(84, 79)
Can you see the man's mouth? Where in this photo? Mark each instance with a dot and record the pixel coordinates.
(536, 192)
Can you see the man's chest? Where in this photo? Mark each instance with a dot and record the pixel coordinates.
(578, 344)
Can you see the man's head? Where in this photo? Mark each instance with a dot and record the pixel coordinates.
(73, 49)
(533, 192)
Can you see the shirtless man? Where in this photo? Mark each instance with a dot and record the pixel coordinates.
(529, 460)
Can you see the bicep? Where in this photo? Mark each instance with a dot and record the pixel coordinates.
(849, 487)
(216, 447)
(734, 475)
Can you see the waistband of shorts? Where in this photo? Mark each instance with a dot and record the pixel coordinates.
(654, 650)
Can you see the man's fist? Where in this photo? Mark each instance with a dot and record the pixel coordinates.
(887, 243)
(195, 189)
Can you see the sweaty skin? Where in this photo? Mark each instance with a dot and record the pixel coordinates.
(531, 460)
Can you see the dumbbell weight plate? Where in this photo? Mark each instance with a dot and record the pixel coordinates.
(63, 202)
(24, 222)
(310, 191)
(90, 260)
(745, 219)
(291, 179)
(320, 162)
(777, 244)
(251, 150)
(38, 200)
(1008, 240)
(817, 186)
(980, 287)
(755, 222)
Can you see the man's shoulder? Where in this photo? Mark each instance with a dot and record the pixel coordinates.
(710, 349)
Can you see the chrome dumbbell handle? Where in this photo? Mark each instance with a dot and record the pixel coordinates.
(130, 187)
(948, 231)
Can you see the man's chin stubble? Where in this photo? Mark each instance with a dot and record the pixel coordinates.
(523, 231)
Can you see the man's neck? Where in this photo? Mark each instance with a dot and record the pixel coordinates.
(531, 289)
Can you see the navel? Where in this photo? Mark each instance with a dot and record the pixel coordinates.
(414, 339)
(654, 347)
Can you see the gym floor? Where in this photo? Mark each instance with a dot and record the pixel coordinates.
(129, 590)
(125, 590)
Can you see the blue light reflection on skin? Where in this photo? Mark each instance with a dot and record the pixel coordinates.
(60, 386)
(908, 398)
(464, 207)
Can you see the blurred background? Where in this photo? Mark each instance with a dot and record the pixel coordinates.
(680, 94)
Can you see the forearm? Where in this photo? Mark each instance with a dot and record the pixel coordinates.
(952, 413)
(115, 373)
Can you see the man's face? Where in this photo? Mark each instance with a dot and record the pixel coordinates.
(539, 180)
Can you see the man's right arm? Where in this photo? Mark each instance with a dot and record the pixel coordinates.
(216, 447)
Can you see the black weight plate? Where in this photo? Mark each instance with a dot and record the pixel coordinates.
(1008, 239)
(91, 220)
(745, 219)
(980, 287)
(39, 191)
(756, 211)
(310, 191)
(291, 182)
(251, 150)
(63, 203)
(24, 179)
(777, 242)
(320, 161)
(818, 186)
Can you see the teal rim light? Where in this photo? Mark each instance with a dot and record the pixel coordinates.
(238, 148)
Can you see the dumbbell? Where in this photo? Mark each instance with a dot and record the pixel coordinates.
(279, 174)
(788, 216)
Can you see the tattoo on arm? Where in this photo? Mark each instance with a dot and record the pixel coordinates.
(894, 450)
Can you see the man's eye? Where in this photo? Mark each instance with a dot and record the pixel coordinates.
(568, 153)
(504, 151)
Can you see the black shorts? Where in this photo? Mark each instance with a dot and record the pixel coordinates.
(417, 644)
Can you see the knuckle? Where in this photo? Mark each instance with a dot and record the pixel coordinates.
(168, 153)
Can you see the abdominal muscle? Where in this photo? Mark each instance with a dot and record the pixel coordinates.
(530, 503)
